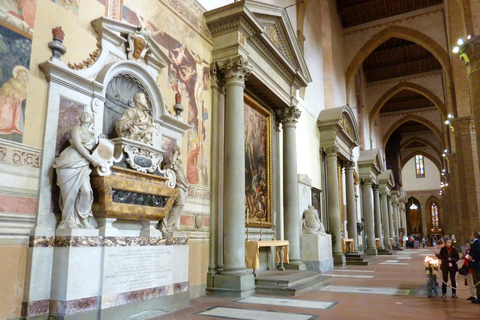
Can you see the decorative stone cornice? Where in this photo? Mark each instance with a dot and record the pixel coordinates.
(463, 126)
(289, 115)
(470, 53)
(235, 70)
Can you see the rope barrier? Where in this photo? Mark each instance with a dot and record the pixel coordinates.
(456, 288)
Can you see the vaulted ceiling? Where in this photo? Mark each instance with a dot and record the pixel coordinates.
(394, 60)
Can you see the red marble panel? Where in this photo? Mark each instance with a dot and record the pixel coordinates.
(18, 204)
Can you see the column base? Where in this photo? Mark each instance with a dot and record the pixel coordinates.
(371, 251)
(296, 265)
(388, 247)
(233, 285)
(339, 259)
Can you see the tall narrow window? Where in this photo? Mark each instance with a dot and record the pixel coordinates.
(434, 210)
(419, 166)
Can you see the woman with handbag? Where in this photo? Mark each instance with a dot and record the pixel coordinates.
(467, 272)
(449, 256)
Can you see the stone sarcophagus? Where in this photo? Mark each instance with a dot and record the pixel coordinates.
(132, 195)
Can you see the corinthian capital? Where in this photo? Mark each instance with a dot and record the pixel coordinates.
(368, 181)
(289, 115)
(235, 70)
(331, 151)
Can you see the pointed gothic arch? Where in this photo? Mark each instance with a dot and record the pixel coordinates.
(421, 140)
(397, 32)
(405, 85)
(418, 119)
(412, 154)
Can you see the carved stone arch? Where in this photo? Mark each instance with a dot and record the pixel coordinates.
(412, 154)
(121, 80)
(418, 119)
(421, 140)
(338, 126)
(406, 86)
(403, 33)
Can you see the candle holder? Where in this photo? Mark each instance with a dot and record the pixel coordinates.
(260, 230)
(273, 238)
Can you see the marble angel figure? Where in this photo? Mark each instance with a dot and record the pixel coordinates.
(73, 176)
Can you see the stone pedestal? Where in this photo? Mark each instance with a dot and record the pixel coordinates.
(233, 285)
(317, 252)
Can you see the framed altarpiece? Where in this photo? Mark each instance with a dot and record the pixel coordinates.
(258, 164)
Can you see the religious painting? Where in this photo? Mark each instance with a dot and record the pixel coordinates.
(70, 5)
(258, 164)
(15, 49)
(19, 13)
(316, 200)
(189, 75)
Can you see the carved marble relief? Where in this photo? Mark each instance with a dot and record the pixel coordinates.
(188, 75)
(15, 51)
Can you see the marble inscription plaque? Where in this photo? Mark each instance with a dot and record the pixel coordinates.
(134, 268)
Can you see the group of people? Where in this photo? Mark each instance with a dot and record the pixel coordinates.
(449, 257)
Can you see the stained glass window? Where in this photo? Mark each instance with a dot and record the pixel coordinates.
(434, 210)
(419, 166)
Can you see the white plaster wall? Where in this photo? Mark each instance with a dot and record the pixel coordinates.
(412, 183)
(314, 94)
(432, 25)
(338, 62)
(308, 146)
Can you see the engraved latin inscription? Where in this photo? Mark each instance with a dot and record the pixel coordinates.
(135, 268)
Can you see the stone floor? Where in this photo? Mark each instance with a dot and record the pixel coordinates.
(393, 287)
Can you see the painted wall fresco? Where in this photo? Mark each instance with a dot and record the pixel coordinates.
(19, 14)
(189, 74)
(70, 5)
(15, 49)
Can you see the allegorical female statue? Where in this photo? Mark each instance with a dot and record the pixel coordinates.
(73, 176)
(170, 222)
(136, 124)
(312, 223)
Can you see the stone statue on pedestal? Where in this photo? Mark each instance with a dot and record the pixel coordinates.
(73, 176)
(311, 223)
(136, 124)
(171, 222)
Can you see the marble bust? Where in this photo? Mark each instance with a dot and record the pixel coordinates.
(136, 123)
(73, 176)
(311, 222)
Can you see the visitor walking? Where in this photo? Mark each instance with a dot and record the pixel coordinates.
(474, 262)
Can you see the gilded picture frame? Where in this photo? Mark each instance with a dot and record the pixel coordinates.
(258, 164)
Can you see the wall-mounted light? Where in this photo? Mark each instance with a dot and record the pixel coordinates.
(460, 41)
(450, 116)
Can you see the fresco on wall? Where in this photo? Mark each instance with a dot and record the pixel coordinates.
(14, 77)
(19, 13)
(189, 75)
(70, 5)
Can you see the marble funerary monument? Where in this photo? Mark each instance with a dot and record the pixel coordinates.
(117, 241)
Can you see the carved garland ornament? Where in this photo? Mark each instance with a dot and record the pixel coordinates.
(91, 60)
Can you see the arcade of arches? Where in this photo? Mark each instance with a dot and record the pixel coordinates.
(361, 109)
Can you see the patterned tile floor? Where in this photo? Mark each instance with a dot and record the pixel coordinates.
(397, 290)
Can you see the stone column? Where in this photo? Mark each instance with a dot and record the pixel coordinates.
(368, 215)
(289, 117)
(334, 204)
(377, 214)
(234, 72)
(390, 217)
(386, 223)
(395, 219)
(351, 204)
